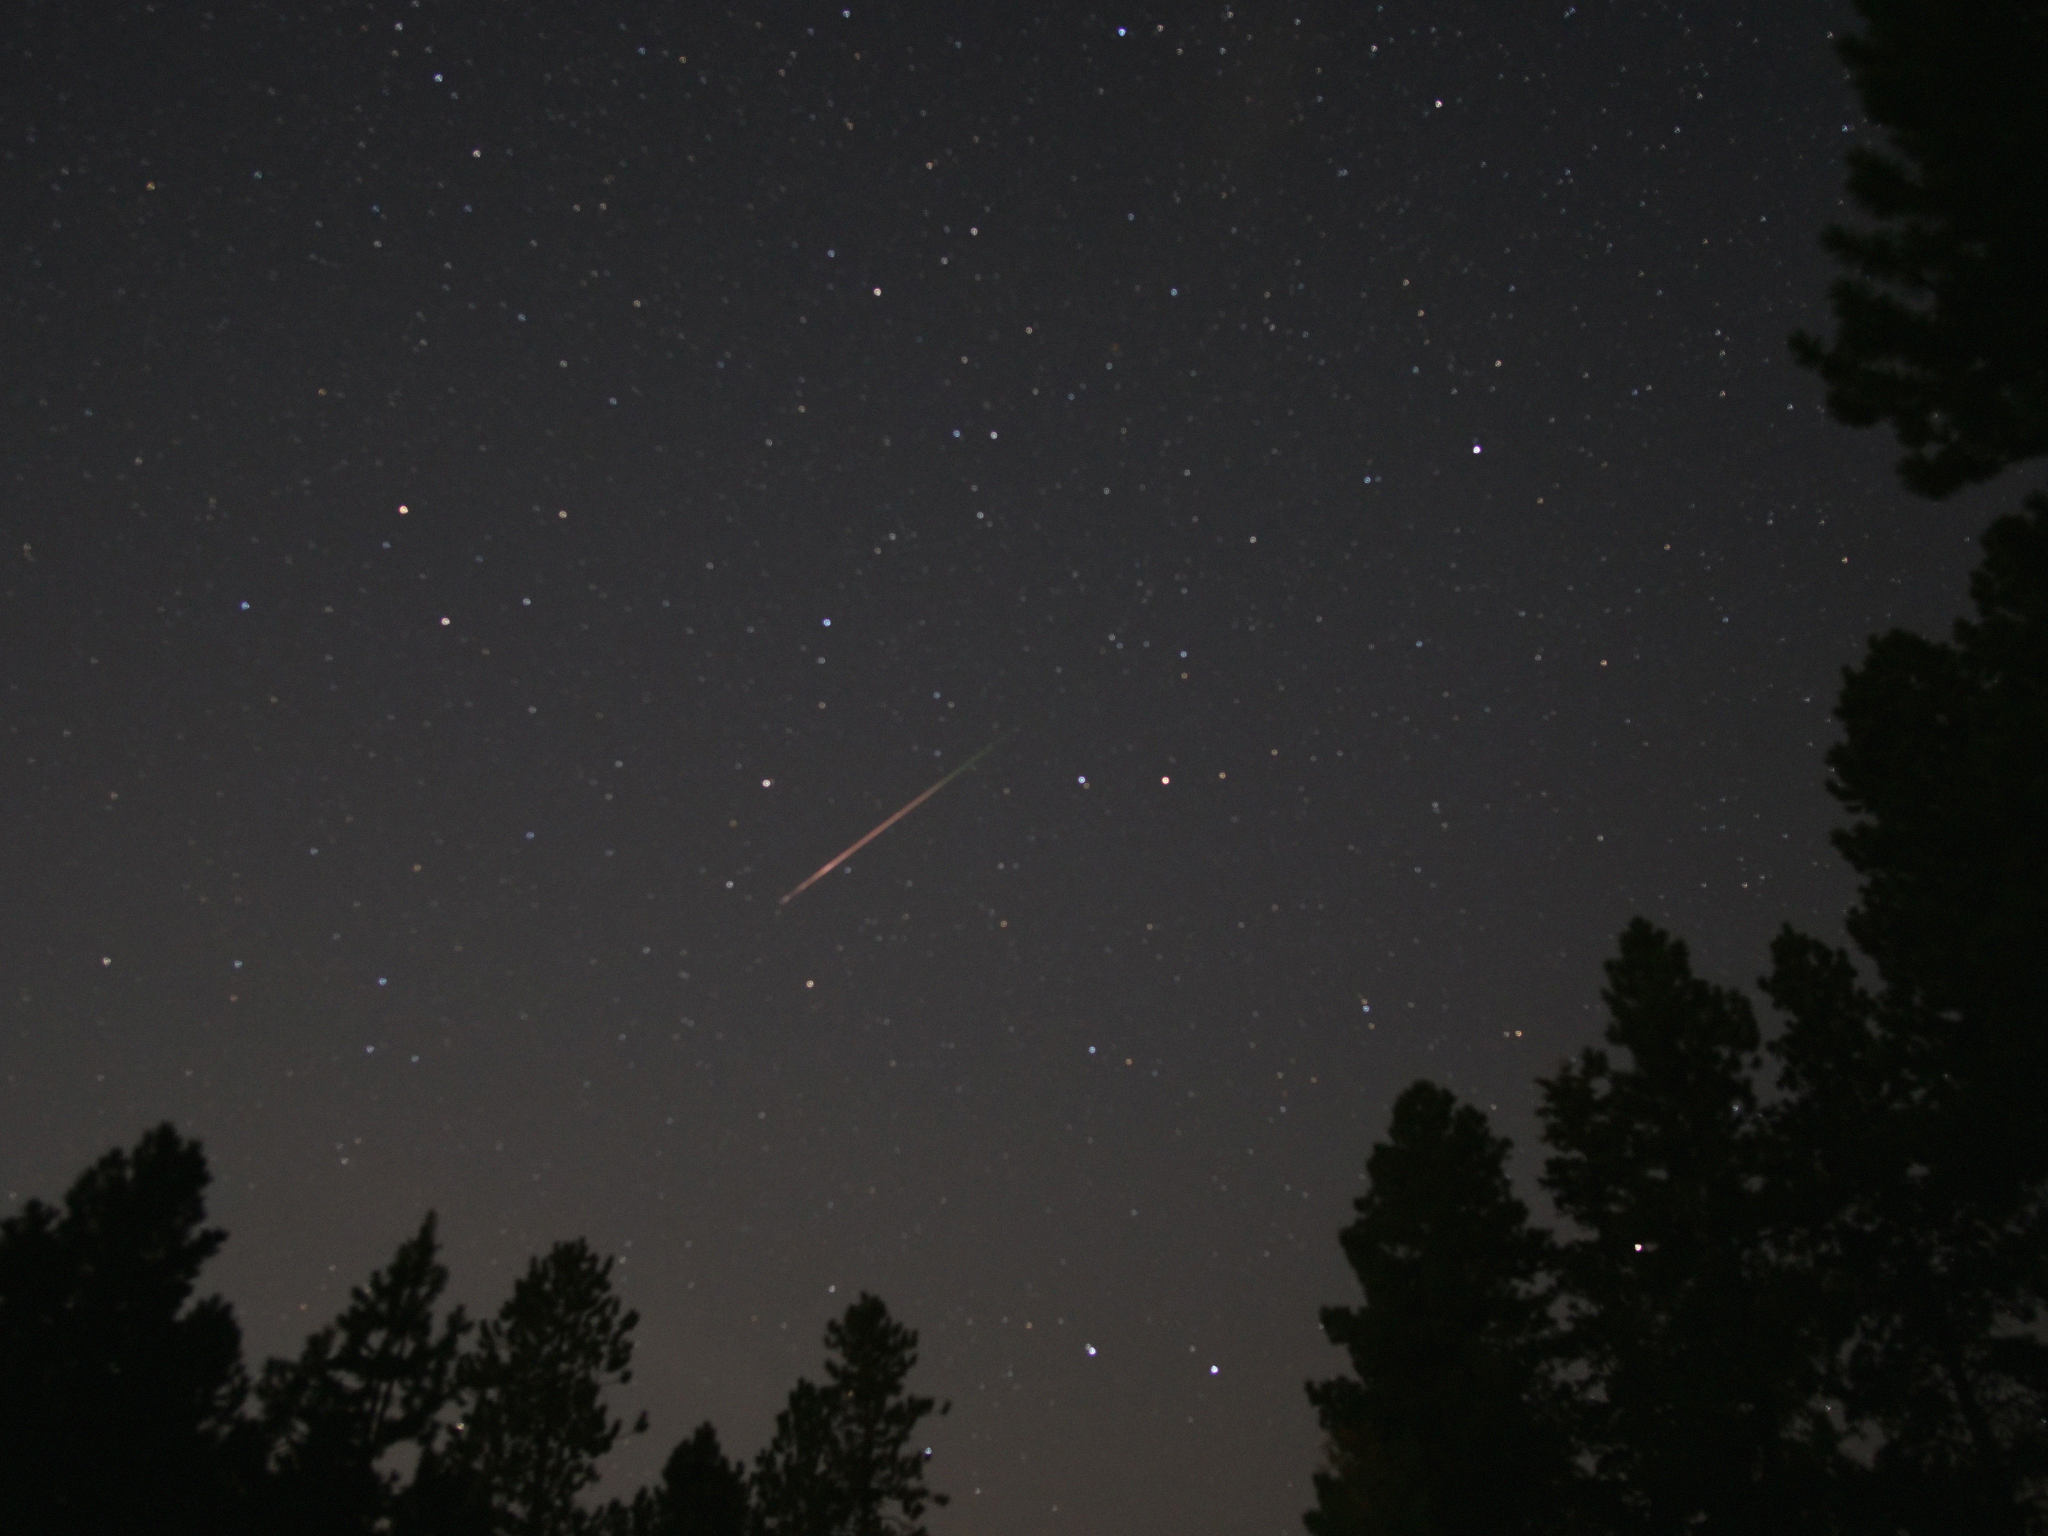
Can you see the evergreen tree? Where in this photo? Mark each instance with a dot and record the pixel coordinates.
(1942, 316)
(374, 1380)
(1916, 1105)
(120, 1394)
(531, 1393)
(1911, 1107)
(841, 1462)
(1941, 767)
(798, 1487)
(1911, 1285)
(1447, 1426)
(700, 1494)
(1703, 1410)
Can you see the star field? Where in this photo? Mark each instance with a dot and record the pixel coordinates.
(497, 495)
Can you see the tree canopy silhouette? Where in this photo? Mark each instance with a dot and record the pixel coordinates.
(1703, 1409)
(531, 1392)
(122, 1398)
(1448, 1424)
(1941, 318)
(1941, 768)
(700, 1494)
(1915, 1150)
(1916, 1102)
(378, 1378)
(120, 1395)
(1817, 1306)
(842, 1462)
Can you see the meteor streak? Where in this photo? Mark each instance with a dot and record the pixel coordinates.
(885, 826)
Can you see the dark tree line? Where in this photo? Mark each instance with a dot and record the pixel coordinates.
(1799, 1280)
(125, 1405)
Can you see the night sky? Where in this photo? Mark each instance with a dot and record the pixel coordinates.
(496, 494)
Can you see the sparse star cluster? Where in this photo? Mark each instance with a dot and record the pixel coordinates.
(500, 496)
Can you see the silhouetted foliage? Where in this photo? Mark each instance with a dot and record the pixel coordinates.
(1448, 1424)
(700, 1494)
(376, 1379)
(1916, 1291)
(120, 1394)
(121, 1398)
(1942, 319)
(1917, 1105)
(1698, 1347)
(1913, 1142)
(1943, 764)
(531, 1393)
(1826, 1309)
(842, 1462)
(796, 1482)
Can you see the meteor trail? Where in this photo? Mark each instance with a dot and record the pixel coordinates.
(885, 826)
